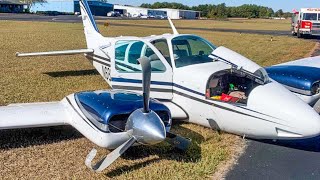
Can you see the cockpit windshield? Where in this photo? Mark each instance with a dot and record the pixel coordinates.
(310, 16)
(189, 50)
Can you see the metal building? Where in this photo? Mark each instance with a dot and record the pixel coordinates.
(181, 14)
(130, 11)
(12, 7)
(97, 7)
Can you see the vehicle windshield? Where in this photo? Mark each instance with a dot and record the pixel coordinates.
(189, 50)
(310, 16)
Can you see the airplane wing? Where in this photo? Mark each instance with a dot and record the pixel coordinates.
(309, 62)
(32, 115)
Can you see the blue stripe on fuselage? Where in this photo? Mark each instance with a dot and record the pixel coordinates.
(137, 81)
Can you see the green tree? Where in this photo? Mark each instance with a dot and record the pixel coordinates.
(279, 13)
(220, 10)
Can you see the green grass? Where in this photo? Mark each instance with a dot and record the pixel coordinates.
(60, 153)
(250, 24)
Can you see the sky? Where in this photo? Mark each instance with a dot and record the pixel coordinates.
(286, 5)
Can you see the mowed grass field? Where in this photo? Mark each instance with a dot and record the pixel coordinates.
(59, 153)
(243, 24)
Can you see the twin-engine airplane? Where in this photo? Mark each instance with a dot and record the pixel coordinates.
(203, 84)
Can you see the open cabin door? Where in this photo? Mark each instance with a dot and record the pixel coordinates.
(126, 73)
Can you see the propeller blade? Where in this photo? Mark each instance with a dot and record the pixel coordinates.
(110, 158)
(178, 141)
(146, 78)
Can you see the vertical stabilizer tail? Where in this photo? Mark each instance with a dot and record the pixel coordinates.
(91, 30)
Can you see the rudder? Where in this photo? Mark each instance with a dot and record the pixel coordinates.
(91, 30)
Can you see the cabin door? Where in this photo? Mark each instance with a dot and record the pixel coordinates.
(126, 73)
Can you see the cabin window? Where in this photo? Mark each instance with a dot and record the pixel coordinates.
(135, 52)
(128, 52)
(230, 86)
(189, 50)
(121, 52)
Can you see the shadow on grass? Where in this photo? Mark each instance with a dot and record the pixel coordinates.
(17, 138)
(88, 72)
(134, 167)
(163, 151)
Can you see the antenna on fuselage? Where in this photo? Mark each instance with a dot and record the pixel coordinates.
(174, 30)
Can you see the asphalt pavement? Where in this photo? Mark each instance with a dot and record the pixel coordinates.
(279, 160)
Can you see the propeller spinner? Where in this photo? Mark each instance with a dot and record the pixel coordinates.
(143, 126)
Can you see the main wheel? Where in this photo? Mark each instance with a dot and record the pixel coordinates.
(299, 35)
(316, 106)
(294, 33)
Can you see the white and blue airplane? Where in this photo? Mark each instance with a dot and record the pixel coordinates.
(200, 83)
(196, 81)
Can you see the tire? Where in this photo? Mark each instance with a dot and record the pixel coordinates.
(299, 35)
(316, 106)
(293, 32)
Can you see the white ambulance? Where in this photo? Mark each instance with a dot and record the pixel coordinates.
(306, 22)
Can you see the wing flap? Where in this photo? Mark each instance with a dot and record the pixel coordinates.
(32, 115)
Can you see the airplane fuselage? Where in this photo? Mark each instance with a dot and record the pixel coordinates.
(268, 110)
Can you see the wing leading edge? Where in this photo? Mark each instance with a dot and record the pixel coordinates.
(33, 115)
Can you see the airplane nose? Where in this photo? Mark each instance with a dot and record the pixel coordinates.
(311, 127)
(293, 117)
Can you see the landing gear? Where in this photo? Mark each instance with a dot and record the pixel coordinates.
(294, 33)
(299, 35)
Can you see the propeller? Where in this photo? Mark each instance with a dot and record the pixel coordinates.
(143, 126)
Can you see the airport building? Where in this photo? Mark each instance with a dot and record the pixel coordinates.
(181, 14)
(98, 8)
(132, 11)
(12, 7)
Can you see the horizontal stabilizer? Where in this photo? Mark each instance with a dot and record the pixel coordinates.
(55, 53)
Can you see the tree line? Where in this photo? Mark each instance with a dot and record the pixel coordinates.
(223, 11)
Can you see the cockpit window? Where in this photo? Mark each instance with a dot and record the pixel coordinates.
(189, 50)
(127, 53)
